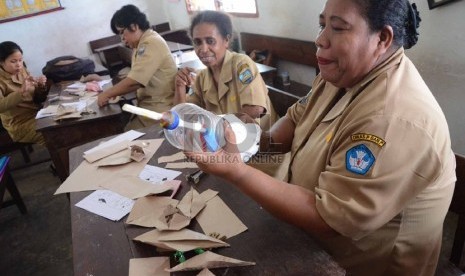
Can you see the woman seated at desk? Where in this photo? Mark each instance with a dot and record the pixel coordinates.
(231, 83)
(21, 95)
(152, 67)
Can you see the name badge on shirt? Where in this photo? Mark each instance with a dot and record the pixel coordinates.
(359, 159)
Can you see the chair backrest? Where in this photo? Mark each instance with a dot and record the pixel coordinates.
(162, 27)
(458, 200)
(281, 100)
(458, 206)
(103, 42)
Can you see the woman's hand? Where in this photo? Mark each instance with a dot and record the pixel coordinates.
(226, 162)
(185, 77)
(102, 99)
(27, 89)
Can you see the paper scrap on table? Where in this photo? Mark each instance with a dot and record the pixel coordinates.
(128, 135)
(182, 240)
(52, 110)
(154, 266)
(95, 176)
(148, 210)
(133, 187)
(208, 259)
(156, 174)
(181, 165)
(107, 204)
(164, 214)
(217, 219)
(205, 272)
(105, 151)
(171, 158)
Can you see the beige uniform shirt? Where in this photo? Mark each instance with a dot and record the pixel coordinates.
(17, 115)
(240, 84)
(379, 160)
(154, 68)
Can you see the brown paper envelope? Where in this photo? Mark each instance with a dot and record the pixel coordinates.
(148, 210)
(106, 151)
(208, 259)
(177, 222)
(192, 203)
(217, 218)
(182, 240)
(154, 266)
(171, 158)
(119, 158)
(181, 165)
(88, 177)
(133, 187)
(205, 272)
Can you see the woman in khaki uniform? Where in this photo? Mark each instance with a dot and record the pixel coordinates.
(231, 83)
(20, 95)
(152, 66)
(372, 172)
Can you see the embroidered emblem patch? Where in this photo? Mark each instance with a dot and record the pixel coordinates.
(368, 137)
(245, 74)
(141, 51)
(359, 159)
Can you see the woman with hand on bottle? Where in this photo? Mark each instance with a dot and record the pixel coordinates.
(231, 83)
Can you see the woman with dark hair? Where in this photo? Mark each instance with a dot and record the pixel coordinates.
(372, 171)
(21, 95)
(152, 67)
(231, 83)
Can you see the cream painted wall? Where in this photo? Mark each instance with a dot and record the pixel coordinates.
(68, 32)
(439, 54)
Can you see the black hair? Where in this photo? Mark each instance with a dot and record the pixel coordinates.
(7, 48)
(127, 15)
(402, 16)
(220, 19)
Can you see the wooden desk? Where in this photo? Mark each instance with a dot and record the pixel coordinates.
(104, 247)
(66, 134)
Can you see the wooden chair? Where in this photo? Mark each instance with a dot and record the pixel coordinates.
(7, 183)
(458, 206)
(162, 27)
(281, 100)
(7, 145)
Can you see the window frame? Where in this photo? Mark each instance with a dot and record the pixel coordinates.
(217, 4)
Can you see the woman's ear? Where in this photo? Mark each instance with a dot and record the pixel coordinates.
(386, 37)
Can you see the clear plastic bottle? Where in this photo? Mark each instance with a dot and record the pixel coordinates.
(192, 128)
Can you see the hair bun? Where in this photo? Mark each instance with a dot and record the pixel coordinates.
(411, 25)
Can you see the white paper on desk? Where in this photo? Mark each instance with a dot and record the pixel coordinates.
(155, 174)
(128, 135)
(52, 110)
(189, 56)
(107, 204)
(77, 85)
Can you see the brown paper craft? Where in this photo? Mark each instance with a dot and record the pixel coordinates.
(218, 220)
(106, 151)
(88, 177)
(164, 214)
(181, 165)
(208, 259)
(119, 158)
(147, 211)
(205, 272)
(171, 158)
(154, 266)
(133, 187)
(182, 240)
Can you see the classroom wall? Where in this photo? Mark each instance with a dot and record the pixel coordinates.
(439, 54)
(68, 32)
